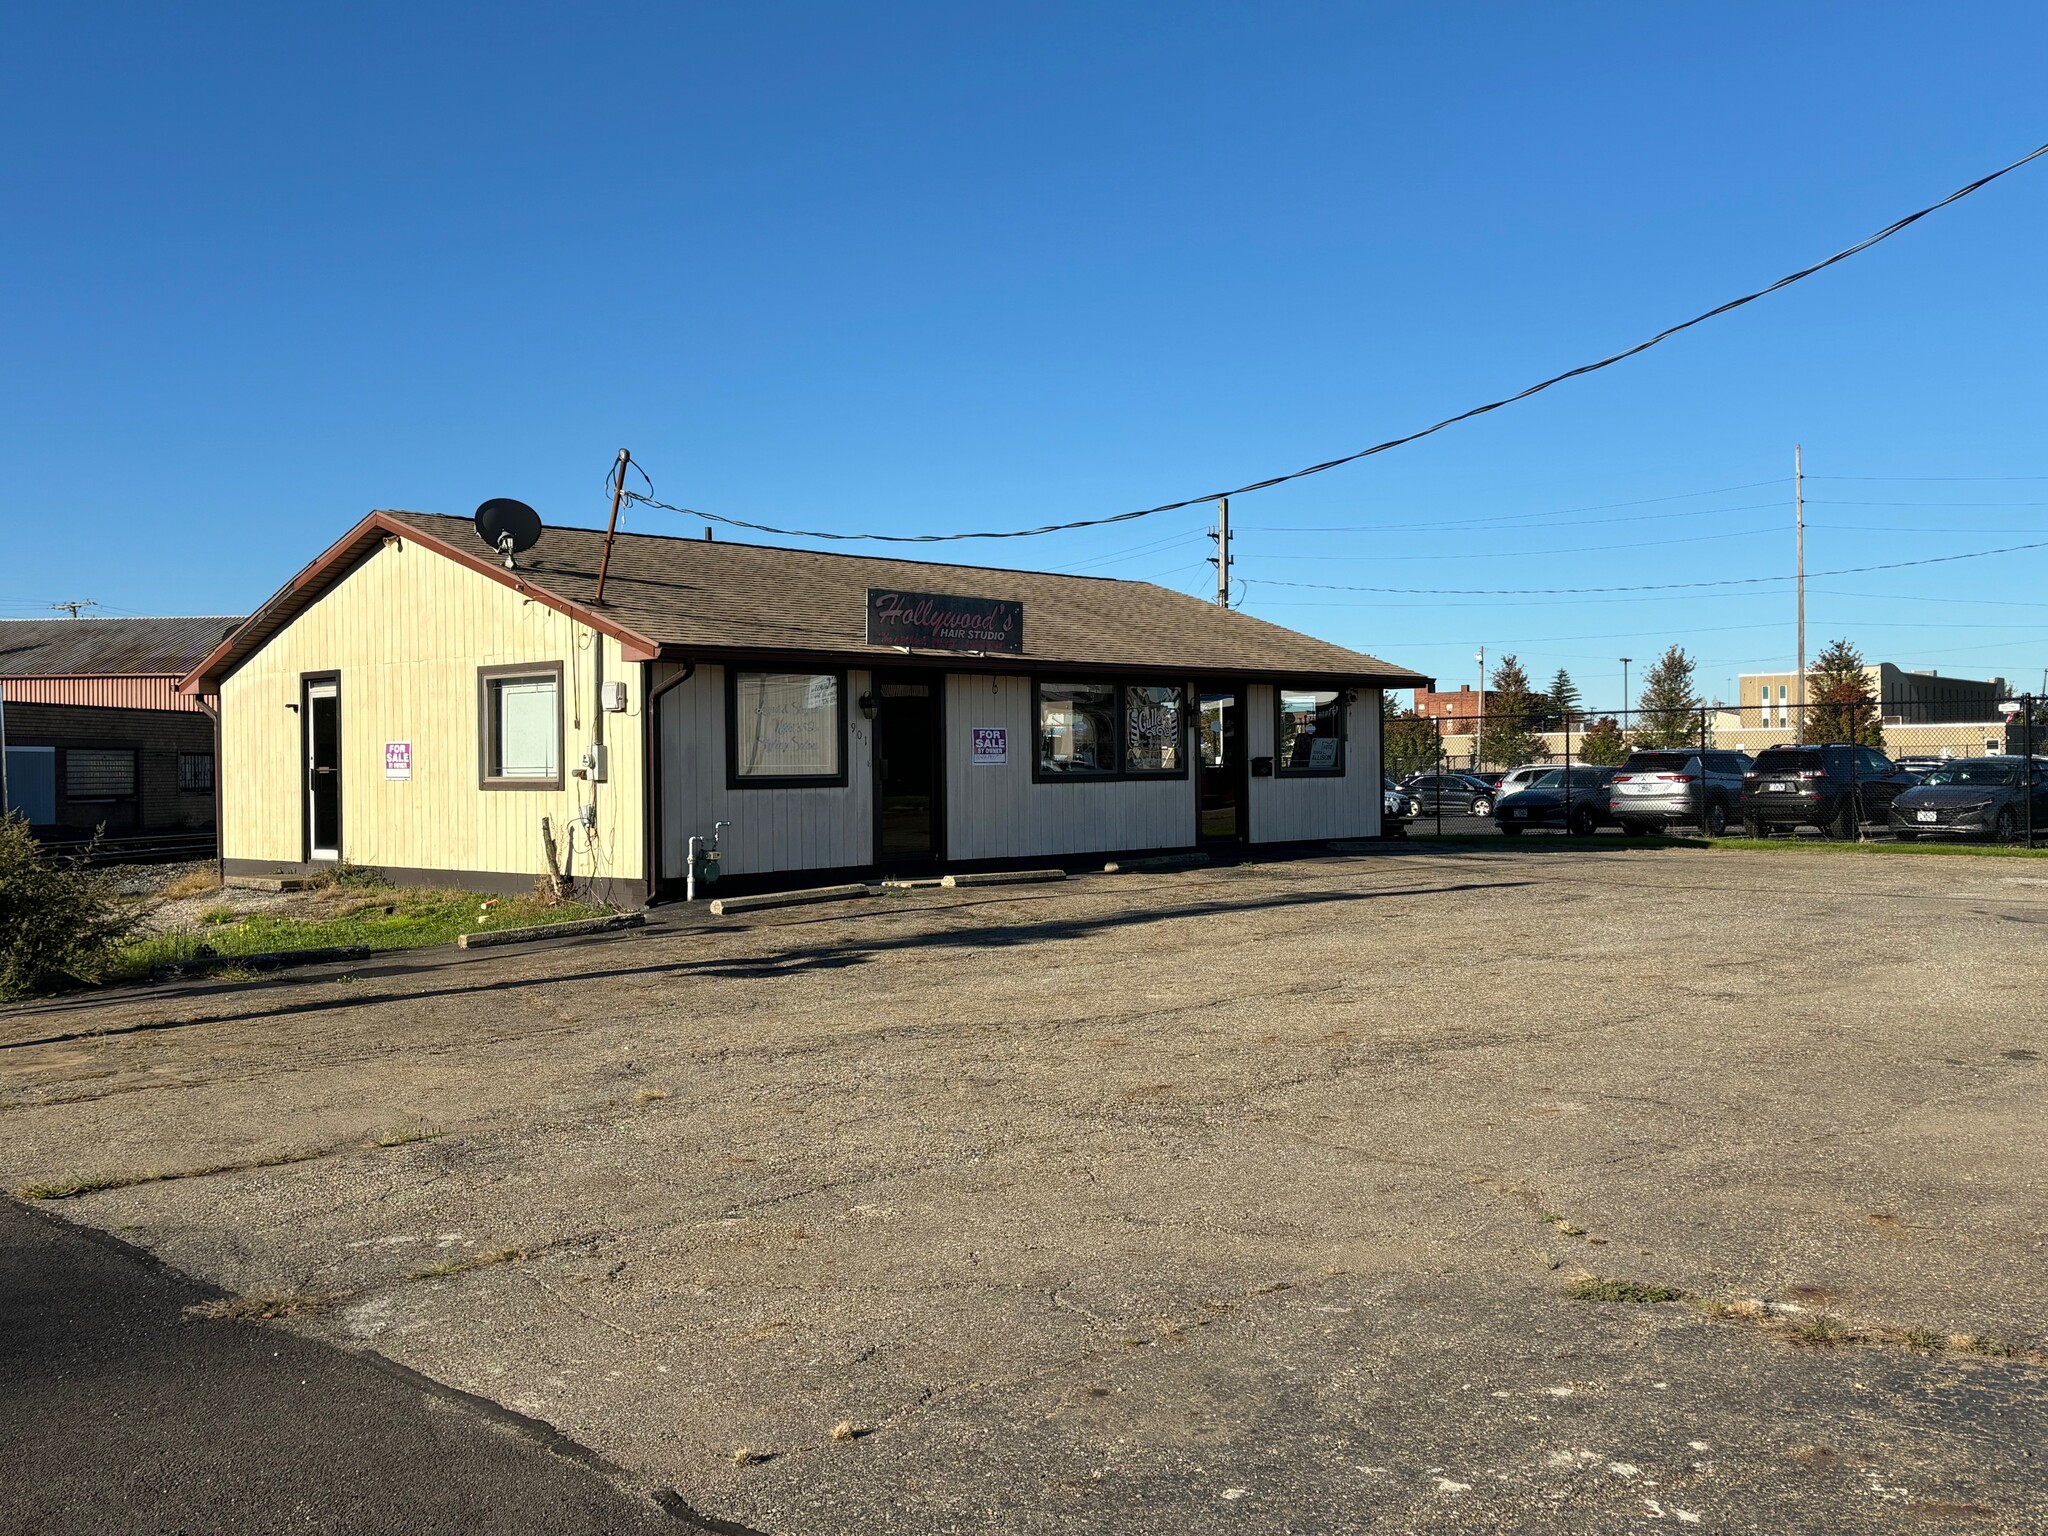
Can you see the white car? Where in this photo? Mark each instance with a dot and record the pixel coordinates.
(1515, 780)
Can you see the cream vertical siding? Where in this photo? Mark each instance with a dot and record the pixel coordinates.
(407, 631)
(1287, 809)
(999, 813)
(828, 827)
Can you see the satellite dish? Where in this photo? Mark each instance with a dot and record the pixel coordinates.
(508, 526)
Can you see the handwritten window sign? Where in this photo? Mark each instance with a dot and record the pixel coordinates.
(786, 725)
(991, 744)
(397, 759)
(935, 621)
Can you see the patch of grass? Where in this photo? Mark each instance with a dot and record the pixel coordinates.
(68, 1189)
(846, 1430)
(650, 1095)
(747, 1456)
(1923, 1339)
(263, 1304)
(464, 1265)
(1624, 1290)
(1996, 1349)
(1885, 848)
(215, 917)
(407, 1138)
(345, 917)
(195, 882)
(1818, 1332)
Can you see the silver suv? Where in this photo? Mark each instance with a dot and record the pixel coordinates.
(1677, 786)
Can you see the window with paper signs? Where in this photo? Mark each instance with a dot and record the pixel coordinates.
(1310, 734)
(785, 728)
(1110, 731)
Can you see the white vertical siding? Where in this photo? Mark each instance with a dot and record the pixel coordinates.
(1287, 810)
(828, 827)
(997, 812)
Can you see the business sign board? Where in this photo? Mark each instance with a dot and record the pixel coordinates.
(991, 744)
(937, 621)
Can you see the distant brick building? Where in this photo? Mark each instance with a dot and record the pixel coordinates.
(95, 730)
(1457, 710)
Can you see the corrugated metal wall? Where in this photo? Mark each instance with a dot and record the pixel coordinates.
(827, 827)
(407, 630)
(100, 692)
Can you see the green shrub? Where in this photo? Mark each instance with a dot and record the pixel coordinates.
(59, 920)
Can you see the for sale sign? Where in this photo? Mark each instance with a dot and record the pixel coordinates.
(991, 744)
(397, 759)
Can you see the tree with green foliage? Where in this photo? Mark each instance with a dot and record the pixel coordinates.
(1410, 741)
(1564, 702)
(59, 918)
(1603, 744)
(1513, 711)
(1839, 706)
(1670, 705)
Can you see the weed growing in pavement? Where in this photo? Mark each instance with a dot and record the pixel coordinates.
(407, 1138)
(1591, 1289)
(263, 1304)
(1819, 1331)
(463, 1266)
(68, 1189)
(747, 1456)
(846, 1430)
(650, 1095)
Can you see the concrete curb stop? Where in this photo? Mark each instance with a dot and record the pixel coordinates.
(1156, 861)
(489, 939)
(1004, 877)
(726, 906)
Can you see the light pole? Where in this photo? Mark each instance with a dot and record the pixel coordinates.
(1624, 693)
(1479, 719)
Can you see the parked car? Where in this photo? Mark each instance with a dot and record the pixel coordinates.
(1456, 794)
(1572, 798)
(1398, 806)
(1920, 767)
(1665, 787)
(1832, 788)
(1515, 780)
(1973, 797)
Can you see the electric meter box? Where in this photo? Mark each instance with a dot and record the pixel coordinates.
(613, 697)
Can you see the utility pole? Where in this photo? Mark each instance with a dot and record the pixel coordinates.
(1221, 559)
(1479, 707)
(611, 529)
(1799, 557)
(83, 602)
(1624, 693)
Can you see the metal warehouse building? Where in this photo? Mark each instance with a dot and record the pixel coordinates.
(411, 703)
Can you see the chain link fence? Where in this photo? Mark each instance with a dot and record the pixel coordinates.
(1921, 738)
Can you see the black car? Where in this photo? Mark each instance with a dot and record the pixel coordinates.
(1455, 794)
(1575, 799)
(1973, 797)
(1834, 788)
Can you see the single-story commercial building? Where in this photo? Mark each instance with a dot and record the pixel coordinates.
(417, 702)
(96, 731)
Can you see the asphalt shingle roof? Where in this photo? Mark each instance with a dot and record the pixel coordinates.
(146, 647)
(695, 595)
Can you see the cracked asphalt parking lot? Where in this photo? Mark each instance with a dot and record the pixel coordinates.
(1242, 1199)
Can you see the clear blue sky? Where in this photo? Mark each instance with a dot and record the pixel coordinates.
(928, 267)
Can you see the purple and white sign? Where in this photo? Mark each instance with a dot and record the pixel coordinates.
(991, 744)
(397, 759)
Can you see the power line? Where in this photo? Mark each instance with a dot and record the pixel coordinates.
(1396, 442)
(1666, 586)
(1506, 517)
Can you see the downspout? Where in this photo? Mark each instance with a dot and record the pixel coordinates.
(650, 726)
(220, 840)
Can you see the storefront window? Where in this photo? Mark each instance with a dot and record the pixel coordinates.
(1153, 739)
(1077, 728)
(1311, 731)
(787, 725)
(522, 727)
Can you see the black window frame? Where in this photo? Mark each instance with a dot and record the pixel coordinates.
(1280, 767)
(1123, 773)
(735, 780)
(195, 757)
(486, 677)
(134, 756)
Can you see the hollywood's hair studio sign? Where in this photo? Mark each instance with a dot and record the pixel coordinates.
(935, 621)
